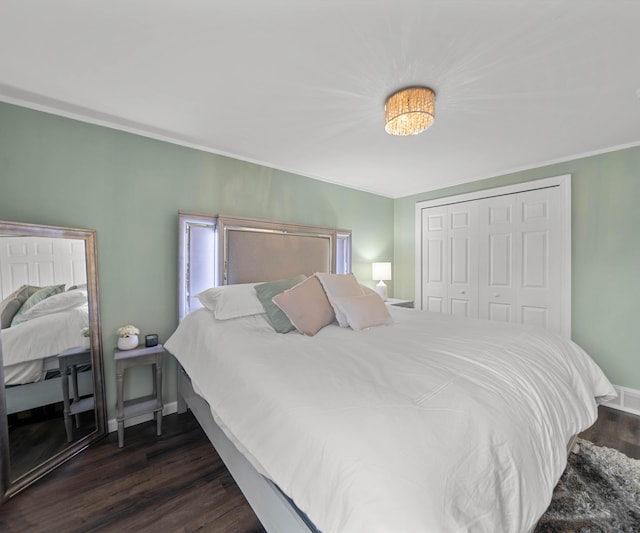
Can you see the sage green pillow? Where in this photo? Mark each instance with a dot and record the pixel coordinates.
(34, 299)
(12, 304)
(266, 292)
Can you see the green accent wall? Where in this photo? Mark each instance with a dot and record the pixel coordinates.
(129, 188)
(605, 251)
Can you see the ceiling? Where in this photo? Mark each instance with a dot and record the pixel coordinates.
(300, 85)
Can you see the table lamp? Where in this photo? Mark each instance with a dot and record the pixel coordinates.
(381, 272)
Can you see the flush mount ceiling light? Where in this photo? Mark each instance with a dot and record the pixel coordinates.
(409, 111)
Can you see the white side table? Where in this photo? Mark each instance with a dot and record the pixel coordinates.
(68, 362)
(147, 404)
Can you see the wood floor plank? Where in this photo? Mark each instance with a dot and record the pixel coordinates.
(177, 483)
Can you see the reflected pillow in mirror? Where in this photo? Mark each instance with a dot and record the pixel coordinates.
(36, 298)
(56, 304)
(266, 292)
(12, 304)
(232, 301)
(364, 311)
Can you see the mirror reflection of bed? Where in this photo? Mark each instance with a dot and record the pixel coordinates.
(45, 315)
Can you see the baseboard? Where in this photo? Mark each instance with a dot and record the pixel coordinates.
(167, 409)
(628, 400)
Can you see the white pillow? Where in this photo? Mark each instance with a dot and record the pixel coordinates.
(56, 304)
(336, 286)
(232, 301)
(364, 311)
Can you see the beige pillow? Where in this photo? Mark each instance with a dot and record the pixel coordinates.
(306, 306)
(364, 311)
(336, 286)
(12, 304)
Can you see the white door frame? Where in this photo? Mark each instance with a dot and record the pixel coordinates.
(564, 184)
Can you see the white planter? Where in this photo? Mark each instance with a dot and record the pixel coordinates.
(128, 343)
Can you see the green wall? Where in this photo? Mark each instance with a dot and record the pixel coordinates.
(605, 253)
(129, 189)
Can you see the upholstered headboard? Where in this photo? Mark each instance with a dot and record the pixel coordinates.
(224, 250)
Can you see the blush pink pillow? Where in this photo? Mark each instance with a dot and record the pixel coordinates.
(306, 306)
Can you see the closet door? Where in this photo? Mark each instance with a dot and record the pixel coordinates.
(540, 277)
(500, 258)
(517, 277)
(462, 288)
(502, 254)
(449, 260)
(435, 251)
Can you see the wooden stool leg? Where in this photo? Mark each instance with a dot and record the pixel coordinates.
(67, 404)
(158, 391)
(76, 396)
(120, 407)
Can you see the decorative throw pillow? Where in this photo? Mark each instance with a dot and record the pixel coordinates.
(368, 290)
(306, 306)
(35, 298)
(12, 304)
(364, 311)
(56, 304)
(339, 285)
(266, 292)
(232, 301)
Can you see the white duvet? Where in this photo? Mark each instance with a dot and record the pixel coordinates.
(431, 424)
(25, 345)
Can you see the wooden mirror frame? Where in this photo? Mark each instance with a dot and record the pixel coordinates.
(11, 487)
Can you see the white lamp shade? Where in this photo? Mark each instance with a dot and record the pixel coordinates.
(381, 271)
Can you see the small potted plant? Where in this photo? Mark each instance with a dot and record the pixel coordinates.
(127, 337)
(86, 338)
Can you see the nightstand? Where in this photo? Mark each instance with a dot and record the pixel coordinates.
(68, 362)
(147, 404)
(400, 303)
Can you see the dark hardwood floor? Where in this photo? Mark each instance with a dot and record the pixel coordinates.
(39, 433)
(177, 483)
(616, 429)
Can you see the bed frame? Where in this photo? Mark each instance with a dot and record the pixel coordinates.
(32, 395)
(234, 246)
(274, 509)
(225, 250)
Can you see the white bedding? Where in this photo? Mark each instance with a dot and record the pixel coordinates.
(433, 423)
(25, 345)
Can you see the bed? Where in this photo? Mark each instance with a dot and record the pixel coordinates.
(31, 348)
(424, 423)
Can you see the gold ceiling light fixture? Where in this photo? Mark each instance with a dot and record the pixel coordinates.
(409, 111)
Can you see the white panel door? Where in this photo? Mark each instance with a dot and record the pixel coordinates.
(435, 251)
(462, 290)
(41, 261)
(518, 282)
(449, 260)
(499, 258)
(502, 254)
(540, 277)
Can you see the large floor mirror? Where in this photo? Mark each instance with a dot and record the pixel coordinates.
(52, 405)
